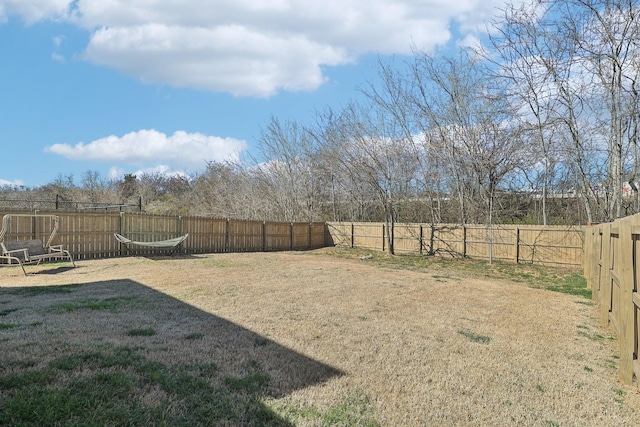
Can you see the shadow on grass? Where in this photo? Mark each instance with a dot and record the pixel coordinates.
(43, 269)
(74, 356)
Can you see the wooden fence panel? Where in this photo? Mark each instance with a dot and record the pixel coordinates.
(245, 236)
(149, 228)
(206, 235)
(532, 244)
(85, 235)
(317, 233)
(90, 235)
(368, 236)
(27, 228)
(278, 236)
(612, 264)
(551, 245)
(446, 239)
(496, 243)
(300, 236)
(408, 238)
(340, 234)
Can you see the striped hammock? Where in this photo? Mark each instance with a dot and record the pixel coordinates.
(171, 243)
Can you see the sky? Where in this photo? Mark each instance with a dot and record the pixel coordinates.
(165, 86)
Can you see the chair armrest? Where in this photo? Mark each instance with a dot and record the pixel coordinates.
(56, 248)
(25, 253)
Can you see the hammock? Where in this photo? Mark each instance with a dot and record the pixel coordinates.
(171, 243)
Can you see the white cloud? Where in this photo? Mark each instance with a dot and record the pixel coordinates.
(32, 11)
(148, 148)
(15, 182)
(117, 173)
(254, 47)
(165, 170)
(224, 59)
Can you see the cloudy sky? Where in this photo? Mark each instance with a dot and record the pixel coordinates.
(126, 86)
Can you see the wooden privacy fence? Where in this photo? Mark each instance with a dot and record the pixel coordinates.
(90, 235)
(560, 245)
(612, 270)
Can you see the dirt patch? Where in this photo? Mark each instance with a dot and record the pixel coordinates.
(407, 347)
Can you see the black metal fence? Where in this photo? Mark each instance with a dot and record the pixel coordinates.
(60, 204)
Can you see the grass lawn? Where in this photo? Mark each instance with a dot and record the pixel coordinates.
(332, 337)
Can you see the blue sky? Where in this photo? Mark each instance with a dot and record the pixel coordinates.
(133, 86)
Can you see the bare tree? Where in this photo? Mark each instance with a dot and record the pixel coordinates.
(372, 159)
(470, 125)
(290, 165)
(582, 56)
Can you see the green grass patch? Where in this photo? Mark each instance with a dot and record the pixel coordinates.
(557, 279)
(474, 337)
(355, 409)
(194, 336)
(113, 303)
(141, 332)
(254, 381)
(107, 385)
(251, 383)
(593, 337)
(40, 290)
(7, 311)
(4, 326)
(27, 378)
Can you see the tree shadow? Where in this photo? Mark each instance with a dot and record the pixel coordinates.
(191, 364)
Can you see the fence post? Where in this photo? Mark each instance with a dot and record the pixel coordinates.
(180, 233)
(596, 269)
(432, 239)
(352, 235)
(517, 245)
(587, 257)
(421, 238)
(121, 232)
(264, 236)
(291, 236)
(464, 241)
(34, 226)
(626, 306)
(591, 259)
(383, 238)
(226, 236)
(605, 280)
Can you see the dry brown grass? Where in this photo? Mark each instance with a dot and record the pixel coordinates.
(400, 347)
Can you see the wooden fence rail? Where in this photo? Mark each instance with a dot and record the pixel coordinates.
(560, 245)
(90, 235)
(612, 270)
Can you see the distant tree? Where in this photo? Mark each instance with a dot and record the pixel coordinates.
(128, 186)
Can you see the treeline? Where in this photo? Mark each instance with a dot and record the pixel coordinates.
(538, 125)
